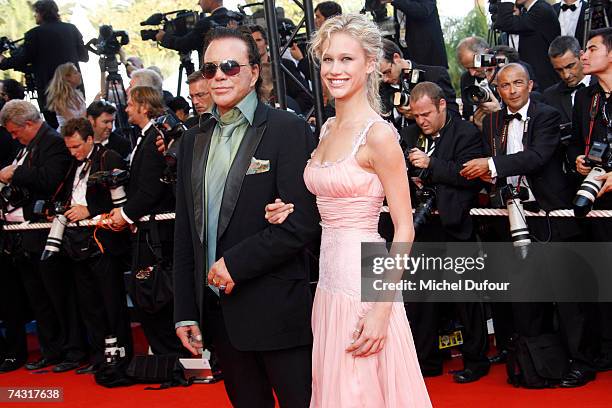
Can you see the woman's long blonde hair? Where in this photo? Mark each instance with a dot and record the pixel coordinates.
(367, 33)
(61, 95)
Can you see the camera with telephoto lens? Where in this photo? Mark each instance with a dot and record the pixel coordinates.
(426, 201)
(54, 209)
(112, 180)
(479, 93)
(489, 61)
(600, 160)
(408, 79)
(512, 197)
(113, 354)
(172, 129)
(13, 196)
(183, 22)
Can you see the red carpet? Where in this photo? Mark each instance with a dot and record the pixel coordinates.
(491, 391)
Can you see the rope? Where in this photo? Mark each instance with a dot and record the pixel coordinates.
(482, 212)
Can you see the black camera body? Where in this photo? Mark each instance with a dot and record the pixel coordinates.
(426, 202)
(48, 208)
(13, 195)
(600, 155)
(172, 130)
(480, 93)
(489, 61)
(376, 8)
(501, 196)
(109, 179)
(7, 45)
(109, 41)
(183, 22)
(408, 79)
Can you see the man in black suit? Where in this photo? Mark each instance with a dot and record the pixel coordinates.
(531, 33)
(46, 47)
(39, 167)
(98, 276)
(419, 31)
(148, 195)
(571, 18)
(256, 308)
(439, 145)
(393, 65)
(591, 118)
(101, 115)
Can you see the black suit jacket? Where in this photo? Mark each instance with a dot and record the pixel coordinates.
(270, 306)
(537, 28)
(579, 33)
(119, 144)
(459, 142)
(46, 47)
(424, 38)
(541, 159)
(146, 193)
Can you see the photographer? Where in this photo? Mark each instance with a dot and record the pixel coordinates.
(439, 144)
(97, 277)
(101, 115)
(531, 32)
(199, 94)
(38, 169)
(218, 16)
(9, 90)
(394, 69)
(46, 47)
(419, 31)
(147, 194)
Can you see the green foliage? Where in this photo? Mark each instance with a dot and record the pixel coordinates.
(456, 29)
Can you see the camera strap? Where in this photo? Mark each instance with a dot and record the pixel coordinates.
(592, 114)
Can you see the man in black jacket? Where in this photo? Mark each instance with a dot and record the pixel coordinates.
(256, 307)
(46, 47)
(419, 31)
(439, 145)
(393, 65)
(148, 195)
(571, 18)
(101, 115)
(39, 168)
(98, 276)
(531, 33)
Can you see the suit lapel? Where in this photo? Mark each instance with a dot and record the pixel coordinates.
(531, 113)
(566, 99)
(239, 167)
(201, 147)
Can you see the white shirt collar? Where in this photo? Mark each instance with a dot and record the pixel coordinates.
(586, 80)
(147, 126)
(522, 111)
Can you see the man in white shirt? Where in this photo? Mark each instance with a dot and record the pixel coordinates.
(571, 18)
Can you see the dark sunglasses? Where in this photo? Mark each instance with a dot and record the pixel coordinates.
(228, 67)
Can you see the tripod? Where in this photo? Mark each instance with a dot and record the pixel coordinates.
(187, 65)
(595, 17)
(115, 91)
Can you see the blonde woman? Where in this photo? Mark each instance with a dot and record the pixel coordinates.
(63, 96)
(363, 353)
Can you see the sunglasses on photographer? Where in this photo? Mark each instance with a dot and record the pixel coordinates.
(228, 67)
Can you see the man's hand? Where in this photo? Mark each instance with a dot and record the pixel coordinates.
(607, 186)
(77, 213)
(160, 35)
(296, 52)
(418, 158)
(220, 277)
(117, 219)
(581, 166)
(191, 337)
(6, 174)
(405, 111)
(160, 144)
(277, 212)
(476, 168)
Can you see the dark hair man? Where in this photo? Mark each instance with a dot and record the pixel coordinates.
(39, 168)
(393, 65)
(325, 10)
(46, 47)
(531, 33)
(256, 318)
(440, 143)
(101, 115)
(147, 194)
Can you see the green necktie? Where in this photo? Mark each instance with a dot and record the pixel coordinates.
(219, 163)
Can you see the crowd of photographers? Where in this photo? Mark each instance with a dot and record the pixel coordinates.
(531, 132)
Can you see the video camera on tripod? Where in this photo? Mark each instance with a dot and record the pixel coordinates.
(14, 50)
(107, 46)
(596, 16)
(183, 22)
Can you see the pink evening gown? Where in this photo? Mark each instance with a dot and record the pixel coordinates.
(349, 201)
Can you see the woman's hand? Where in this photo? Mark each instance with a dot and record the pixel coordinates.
(277, 212)
(371, 332)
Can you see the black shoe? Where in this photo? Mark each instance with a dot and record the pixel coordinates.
(41, 363)
(90, 369)
(577, 378)
(66, 366)
(499, 357)
(11, 364)
(467, 376)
